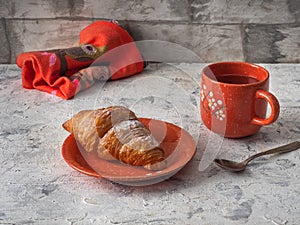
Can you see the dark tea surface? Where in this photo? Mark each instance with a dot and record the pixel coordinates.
(236, 79)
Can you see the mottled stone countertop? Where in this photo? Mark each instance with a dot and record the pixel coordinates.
(38, 187)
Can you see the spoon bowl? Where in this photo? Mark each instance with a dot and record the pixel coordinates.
(230, 165)
(240, 166)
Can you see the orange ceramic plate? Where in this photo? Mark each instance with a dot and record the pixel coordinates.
(178, 144)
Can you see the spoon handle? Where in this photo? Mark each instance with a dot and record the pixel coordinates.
(281, 149)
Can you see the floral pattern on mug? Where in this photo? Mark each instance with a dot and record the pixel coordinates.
(210, 103)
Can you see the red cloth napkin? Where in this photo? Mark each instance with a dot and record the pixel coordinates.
(106, 51)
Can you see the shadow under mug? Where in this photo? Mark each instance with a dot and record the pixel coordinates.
(234, 98)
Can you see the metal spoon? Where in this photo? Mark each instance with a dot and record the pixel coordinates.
(240, 166)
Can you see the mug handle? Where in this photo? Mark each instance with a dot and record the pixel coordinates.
(275, 108)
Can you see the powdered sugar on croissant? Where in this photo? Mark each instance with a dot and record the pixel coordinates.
(115, 133)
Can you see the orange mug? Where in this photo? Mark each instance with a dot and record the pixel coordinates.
(234, 97)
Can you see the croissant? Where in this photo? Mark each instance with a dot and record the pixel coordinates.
(115, 133)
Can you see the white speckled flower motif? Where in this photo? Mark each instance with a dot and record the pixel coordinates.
(202, 93)
(220, 114)
(210, 103)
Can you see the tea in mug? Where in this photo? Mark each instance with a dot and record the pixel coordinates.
(236, 79)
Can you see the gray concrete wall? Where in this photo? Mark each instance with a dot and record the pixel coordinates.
(262, 31)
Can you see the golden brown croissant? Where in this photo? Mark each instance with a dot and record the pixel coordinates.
(116, 133)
